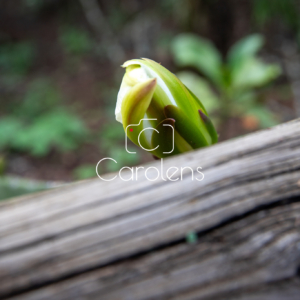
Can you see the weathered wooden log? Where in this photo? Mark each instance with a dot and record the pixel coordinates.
(127, 239)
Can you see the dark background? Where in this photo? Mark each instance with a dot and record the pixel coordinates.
(60, 74)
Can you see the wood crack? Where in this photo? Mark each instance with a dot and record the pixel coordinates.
(126, 240)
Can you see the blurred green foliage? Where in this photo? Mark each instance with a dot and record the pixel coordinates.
(112, 139)
(51, 46)
(33, 4)
(122, 157)
(11, 186)
(285, 10)
(226, 88)
(75, 41)
(2, 165)
(16, 58)
(40, 97)
(85, 171)
(40, 123)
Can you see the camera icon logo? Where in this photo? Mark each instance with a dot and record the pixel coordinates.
(147, 128)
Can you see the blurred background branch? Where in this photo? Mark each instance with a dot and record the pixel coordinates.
(102, 28)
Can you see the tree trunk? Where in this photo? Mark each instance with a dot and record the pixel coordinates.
(128, 240)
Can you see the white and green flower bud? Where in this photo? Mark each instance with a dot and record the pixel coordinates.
(159, 113)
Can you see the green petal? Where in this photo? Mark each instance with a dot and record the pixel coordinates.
(209, 126)
(134, 107)
(163, 138)
(170, 90)
(197, 100)
(186, 128)
(168, 140)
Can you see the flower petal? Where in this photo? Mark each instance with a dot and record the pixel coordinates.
(186, 128)
(134, 107)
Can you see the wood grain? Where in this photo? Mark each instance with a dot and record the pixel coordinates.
(126, 240)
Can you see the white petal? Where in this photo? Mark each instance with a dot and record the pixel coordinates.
(160, 82)
(140, 76)
(152, 74)
(122, 92)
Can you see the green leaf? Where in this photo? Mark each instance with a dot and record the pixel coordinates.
(57, 129)
(209, 126)
(201, 88)
(191, 50)
(252, 73)
(9, 128)
(244, 48)
(195, 136)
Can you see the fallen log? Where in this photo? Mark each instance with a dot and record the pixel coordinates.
(119, 239)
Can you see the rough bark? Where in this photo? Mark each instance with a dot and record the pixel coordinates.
(127, 240)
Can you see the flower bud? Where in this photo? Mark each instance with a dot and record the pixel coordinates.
(159, 113)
